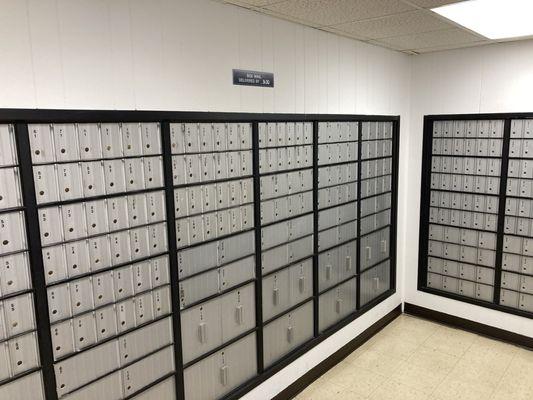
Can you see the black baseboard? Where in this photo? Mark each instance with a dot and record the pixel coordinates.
(304, 381)
(471, 326)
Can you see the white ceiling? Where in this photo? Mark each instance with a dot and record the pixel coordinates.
(404, 25)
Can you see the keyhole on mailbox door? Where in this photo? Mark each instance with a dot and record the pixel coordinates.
(37, 152)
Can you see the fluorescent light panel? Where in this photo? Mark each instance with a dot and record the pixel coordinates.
(494, 19)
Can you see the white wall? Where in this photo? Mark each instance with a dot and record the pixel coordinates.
(178, 55)
(495, 78)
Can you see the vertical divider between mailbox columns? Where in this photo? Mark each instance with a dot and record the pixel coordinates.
(258, 260)
(40, 297)
(358, 242)
(394, 202)
(315, 230)
(173, 258)
(501, 210)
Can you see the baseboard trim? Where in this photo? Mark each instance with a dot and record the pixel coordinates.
(471, 326)
(305, 380)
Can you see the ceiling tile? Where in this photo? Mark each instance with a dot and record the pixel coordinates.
(332, 12)
(430, 39)
(395, 25)
(432, 3)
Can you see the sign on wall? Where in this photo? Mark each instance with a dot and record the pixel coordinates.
(253, 78)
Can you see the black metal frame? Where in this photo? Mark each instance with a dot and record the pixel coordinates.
(22, 117)
(425, 206)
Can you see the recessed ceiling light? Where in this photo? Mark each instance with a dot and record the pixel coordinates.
(494, 19)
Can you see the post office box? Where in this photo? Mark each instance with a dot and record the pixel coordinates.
(69, 178)
(135, 179)
(328, 269)
(8, 154)
(131, 139)
(84, 331)
(469, 237)
(191, 135)
(514, 169)
(274, 258)
(153, 172)
(19, 314)
(181, 207)
(196, 231)
(512, 244)
(162, 303)
(527, 148)
(137, 210)
(23, 353)
(525, 302)
(236, 272)
(451, 251)
(179, 170)
(206, 138)
(337, 304)
(151, 138)
(125, 315)
(10, 192)
(484, 292)
(74, 223)
(239, 306)
(115, 176)
(66, 142)
(434, 281)
(511, 207)
(111, 139)
(201, 329)
(99, 253)
(55, 264)
(193, 168)
(62, 339)
(509, 298)
(14, 273)
(526, 188)
(435, 265)
(468, 272)
(97, 218)
(469, 254)
(450, 268)
(158, 239)
(106, 323)
(511, 262)
(513, 187)
(510, 281)
(276, 293)
(51, 231)
(123, 282)
(207, 167)
(308, 133)
(120, 247)
(445, 182)
(117, 212)
(450, 284)
(144, 308)
(59, 302)
(485, 275)
(467, 218)
(81, 295)
(41, 143)
(525, 170)
(466, 288)
(182, 232)
(103, 290)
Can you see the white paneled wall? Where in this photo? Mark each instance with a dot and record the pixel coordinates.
(488, 79)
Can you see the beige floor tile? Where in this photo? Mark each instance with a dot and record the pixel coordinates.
(453, 389)
(393, 346)
(351, 378)
(374, 361)
(411, 329)
(490, 351)
(419, 378)
(432, 359)
(391, 390)
(450, 341)
(475, 372)
(320, 391)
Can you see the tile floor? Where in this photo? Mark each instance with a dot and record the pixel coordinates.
(414, 359)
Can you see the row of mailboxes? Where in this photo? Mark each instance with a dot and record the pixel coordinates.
(465, 219)
(17, 316)
(283, 184)
(336, 304)
(468, 129)
(467, 237)
(71, 181)
(376, 130)
(18, 355)
(8, 146)
(376, 149)
(513, 299)
(215, 254)
(464, 201)
(375, 248)
(461, 287)
(339, 234)
(466, 183)
(517, 263)
(336, 265)
(332, 132)
(520, 187)
(468, 147)
(84, 256)
(337, 153)
(376, 204)
(461, 270)
(375, 186)
(215, 281)
(14, 273)
(72, 142)
(280, 134)
(204, 227)
(375, 221)
(518, 245)
(286, 333)
(208, 325)
(105, 359)
(517, 282)
(374, 282)
(83, 331)
(332, 175)
(107, 287)
(287, 287)
(520, 169)
(285, 158)
(337, 215)
(207, 167)
(286, 253)
(522, 128)
(522, 148)
(19, 388)
(209, 137)
(467, 165)
(468, 254)
(223, 371)
(194, 200)
(374, 168)
(286, 207)
(79, 220)
(10, 191)
(334, 195)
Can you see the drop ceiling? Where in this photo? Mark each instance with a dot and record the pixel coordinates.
(404, 25)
